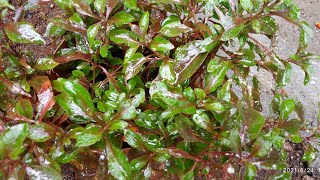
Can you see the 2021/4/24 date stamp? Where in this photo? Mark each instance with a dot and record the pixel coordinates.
(301, 170)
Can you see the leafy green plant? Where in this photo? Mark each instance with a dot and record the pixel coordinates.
(149, 87)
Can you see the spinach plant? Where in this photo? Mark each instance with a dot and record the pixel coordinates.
(158, 88)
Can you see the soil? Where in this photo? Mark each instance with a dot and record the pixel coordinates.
(309, 95)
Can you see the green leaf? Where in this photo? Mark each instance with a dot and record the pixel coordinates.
(284, 75)
(202, 120)
(166, 72)
(138, 163)
(190, 57)
(40, 132)
(268, 25)
(83, 8)
(100, 6)
(74, 99)
(144, 22)
(90, 135)
(188, 176)
(183, 125)
(310, 154)
(43, 172)
(5, 3)
(251, 171)
(24, 108)
(121, 18)
(161, 44)
(286, 108)
(134, 66)
(134, 139)
(247, 5)
(117, 125)
(306, 35)
(123, 36)
(45, 64)
(224, 93)
(64, 4)
(148, 119)
(118, 163)
(92, 33)
(12, 141)
(175, 28)
(232, 32)
(216, 73)
(22, 32)
(253, 120)
(131, 4)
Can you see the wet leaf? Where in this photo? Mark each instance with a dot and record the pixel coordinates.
(184, 125)
(134, 139)
(174, 29)
(232, 32)
(74, 99)
(286, 108)
(14, 87)
(247, 5)
(45, 64)
(92, 33)
(83, 8)
(202, 120)
(24, 108)
(217, 72)
(251, 171)
(134, 66)
(144, 22)
(36, 171)
(40, 132)
(121, 18)
(12, 141)
(283, 76)
(100, 6)
(161, 44)
(23, 32)
(118, 163)
(123, 36)
(190, 57)
(90, 135)
(71, 57)
(117, 125)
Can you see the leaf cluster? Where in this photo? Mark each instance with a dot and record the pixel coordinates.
(152, 88)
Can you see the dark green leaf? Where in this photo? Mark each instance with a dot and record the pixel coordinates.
(283, 76)
(134, 139)
(24, 108)
(188, 176)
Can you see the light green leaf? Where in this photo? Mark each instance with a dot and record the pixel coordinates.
(232, 32)
(121, 18)
(161, 44)
(92, 33)
(90, 135)
(144, 22)
(174, 29)
(40, 132)
(45, 64)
